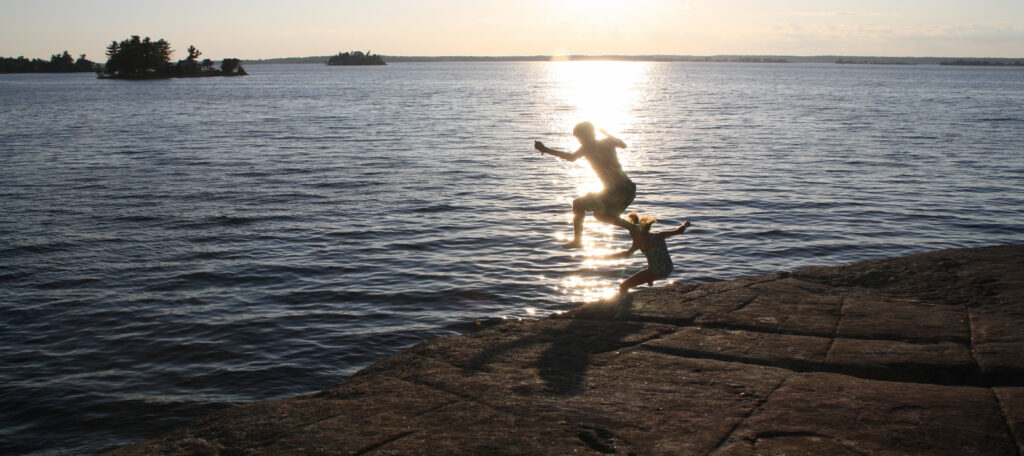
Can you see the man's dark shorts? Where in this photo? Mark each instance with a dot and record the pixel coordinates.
(612, 201)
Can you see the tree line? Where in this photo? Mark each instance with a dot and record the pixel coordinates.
(132, 58)
(981, 62)
(58, 63)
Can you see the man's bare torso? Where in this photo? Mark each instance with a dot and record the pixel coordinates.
(604, 159)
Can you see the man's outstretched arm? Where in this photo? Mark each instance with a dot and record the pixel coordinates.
(615, 141)
(563, 155)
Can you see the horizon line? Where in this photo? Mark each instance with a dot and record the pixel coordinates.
(648, 56)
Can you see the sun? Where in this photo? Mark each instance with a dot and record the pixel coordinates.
(604, 92)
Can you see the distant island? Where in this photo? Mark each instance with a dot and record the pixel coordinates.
(58, 63)
(873, 62)
(136, 58)
(356, 58)
(738, 59)
(982, 62)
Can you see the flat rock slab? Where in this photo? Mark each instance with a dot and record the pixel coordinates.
(915, 355)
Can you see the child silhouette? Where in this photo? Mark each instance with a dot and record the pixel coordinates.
(659, 264)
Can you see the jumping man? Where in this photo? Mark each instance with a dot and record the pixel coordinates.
(608, 204)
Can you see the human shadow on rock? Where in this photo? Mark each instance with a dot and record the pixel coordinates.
(591, 329)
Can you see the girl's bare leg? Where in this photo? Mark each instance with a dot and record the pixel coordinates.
(645, 275)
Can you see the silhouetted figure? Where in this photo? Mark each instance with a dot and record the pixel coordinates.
(659, 264)
(608, 204)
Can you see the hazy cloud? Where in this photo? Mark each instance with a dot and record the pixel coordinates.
(985, 32)
(978, 32)
(835, 13)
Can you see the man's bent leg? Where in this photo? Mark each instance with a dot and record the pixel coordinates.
(578, 214)
(611, 219)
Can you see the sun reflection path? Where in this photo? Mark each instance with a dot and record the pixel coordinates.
(598, 276)
(607, 94)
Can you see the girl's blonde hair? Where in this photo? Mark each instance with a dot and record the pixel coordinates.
(645, 221)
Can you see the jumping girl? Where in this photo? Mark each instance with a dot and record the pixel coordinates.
(659, 264)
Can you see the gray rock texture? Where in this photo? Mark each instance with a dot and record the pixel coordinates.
(915, 355)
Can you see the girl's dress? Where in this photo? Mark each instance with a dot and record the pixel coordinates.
(658, 260)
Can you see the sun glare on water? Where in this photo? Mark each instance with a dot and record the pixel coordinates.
(605, 93)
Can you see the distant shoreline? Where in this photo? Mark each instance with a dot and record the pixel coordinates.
(958, 61)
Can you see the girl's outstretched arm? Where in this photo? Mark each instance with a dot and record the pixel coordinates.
(679, 230)
(623, 254)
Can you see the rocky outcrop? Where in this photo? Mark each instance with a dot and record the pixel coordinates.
(916, 355)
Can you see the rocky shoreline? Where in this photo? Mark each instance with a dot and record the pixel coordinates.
(914, 355)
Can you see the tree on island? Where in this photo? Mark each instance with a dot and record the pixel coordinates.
(136, 58)
(190, 65)
(232, 67)
(356, 58)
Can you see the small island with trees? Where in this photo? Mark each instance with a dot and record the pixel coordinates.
(356, 58)
(143, 58)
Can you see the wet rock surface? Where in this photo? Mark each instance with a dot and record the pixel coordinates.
(914, 355)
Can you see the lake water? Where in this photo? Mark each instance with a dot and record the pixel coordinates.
(170, 248)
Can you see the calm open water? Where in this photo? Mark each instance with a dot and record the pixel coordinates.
(170, 248)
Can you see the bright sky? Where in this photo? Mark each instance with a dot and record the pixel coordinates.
(266, 29)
